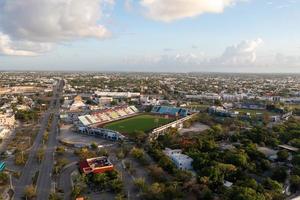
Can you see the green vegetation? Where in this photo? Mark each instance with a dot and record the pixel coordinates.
(108, 181)
(3, 178)
(138, 123)
(241, 163)
(26, 116)
(29, 192)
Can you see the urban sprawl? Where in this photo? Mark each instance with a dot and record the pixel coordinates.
(150, 136)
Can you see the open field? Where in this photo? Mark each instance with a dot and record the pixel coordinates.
(143, 123)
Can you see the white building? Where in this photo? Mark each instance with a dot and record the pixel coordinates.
(105, 100)
(181, 161)
(118, 94)
(77, 104)
(206, 96)
(7, 120)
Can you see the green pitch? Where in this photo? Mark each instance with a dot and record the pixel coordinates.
(143, 123)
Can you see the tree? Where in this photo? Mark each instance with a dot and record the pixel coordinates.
(45, 137)
(4, 178)
(94, 146)
(296, 159)
(282, 155)
(29, 192)
(295, 183)
(279, 174)
(155, 191)
(60, 150)
(116, 185)
(140, 184)
(101, 180)
(20, 158)
(245, 193)
(40, 154)
(120, 197)
(237, 158)
(272, 185)
(157, 173)
(54, 196)
(137, 153)
(76, 191)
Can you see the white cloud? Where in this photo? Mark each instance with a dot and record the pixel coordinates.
(37, 22)
(21, 48)
(243, 53)
(169, 10)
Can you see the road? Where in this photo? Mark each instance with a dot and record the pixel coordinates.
(65, 180)
(45, 174)
(30, 166)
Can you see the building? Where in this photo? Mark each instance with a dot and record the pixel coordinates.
(221, 111)
(207, 96)
(118, 94)
(77, 104)
(7, 120)
(172, 111)
(102, 133)
(105, 100)
(181, 161)
(108, 115)
(96, 165)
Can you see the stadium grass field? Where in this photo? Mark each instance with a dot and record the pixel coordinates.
(145, 123)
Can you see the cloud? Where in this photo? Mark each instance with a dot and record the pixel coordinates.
(169, 10)
(128, 5)
(243, 53)
(23, 48)
(39, 22)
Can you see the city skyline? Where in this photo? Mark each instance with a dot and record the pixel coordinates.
(150, 35)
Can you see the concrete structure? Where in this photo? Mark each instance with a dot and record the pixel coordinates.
(172, 111)
(77, 104)
(289, 148)
(96, 165)
(105, 100)
(207, 96)
(221, 111)
(181, 161)
(176, 124)
(7, 120)
(102, 133)
(107, 115)
(118, 94)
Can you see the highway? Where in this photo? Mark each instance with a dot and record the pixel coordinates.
(31, 164)
(45, 174)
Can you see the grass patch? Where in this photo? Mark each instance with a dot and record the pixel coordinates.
(143, 123)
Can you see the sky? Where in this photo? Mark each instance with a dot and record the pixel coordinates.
(256, 36)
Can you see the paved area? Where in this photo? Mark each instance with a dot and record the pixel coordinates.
(45, 176)
(196, 127)
(65, 183)
(30, 166)
(70, 137)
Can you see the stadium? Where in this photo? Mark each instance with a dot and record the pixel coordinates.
(128, 120)
(104, 116)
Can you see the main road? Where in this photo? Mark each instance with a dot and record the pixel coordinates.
(30, 166)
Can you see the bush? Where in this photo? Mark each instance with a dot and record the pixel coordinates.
(4, 178)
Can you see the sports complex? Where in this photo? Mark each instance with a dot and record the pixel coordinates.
(128, 120)
(143, 122)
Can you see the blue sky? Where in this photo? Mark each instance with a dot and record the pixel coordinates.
(147, 35)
